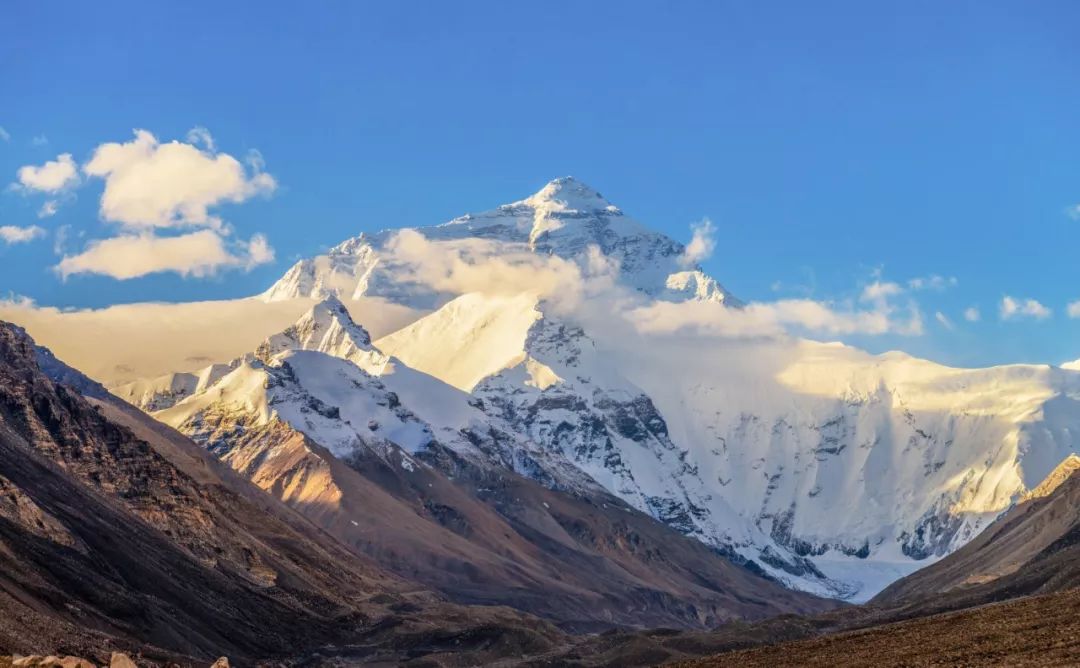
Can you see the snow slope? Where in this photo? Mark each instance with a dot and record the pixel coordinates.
(321, 376)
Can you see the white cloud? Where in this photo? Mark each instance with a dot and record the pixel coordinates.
(480, 265)
(1073, 309)
(48, 209)
(60, 239)
(39, 140)
(149, 184)
(200, 135)
(944, 321)
(768, 319)
(18, 235)
(702, 243)
(258, 251)
(933, 282)
(4, 136)
(1073, 212)
(198, 254)
(880, 291)
(971, 314)
(52, 177)
(1011, 308)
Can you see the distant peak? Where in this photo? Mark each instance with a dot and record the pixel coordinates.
(332, 304)
(569, 193)
(331, 309)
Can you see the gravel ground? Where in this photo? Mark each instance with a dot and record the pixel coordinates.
(1035, 631)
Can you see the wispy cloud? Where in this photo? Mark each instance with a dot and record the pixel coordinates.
(702, 243)
(11, 234)
(199, 135)
(972, 314)
(1011, 309)
(60, 239)
(49, 208)
(766, 319)
(933, 282)
(880, 290)
(4, 135)
(944, 321)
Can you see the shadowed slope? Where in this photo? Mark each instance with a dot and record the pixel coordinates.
(107, 540)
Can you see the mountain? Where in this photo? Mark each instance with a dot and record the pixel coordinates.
(564, 219)
(1034, 548)
(829, 469)
(448, 495)
(117, 532)
(760, 449)
(1008, 597)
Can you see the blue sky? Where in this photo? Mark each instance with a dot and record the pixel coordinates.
(829, 142)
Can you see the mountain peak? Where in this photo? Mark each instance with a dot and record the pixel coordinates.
(329, 307)
(330, 316)
(326, 327)
(568, 193)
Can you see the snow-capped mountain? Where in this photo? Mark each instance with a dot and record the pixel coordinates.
(563, 219)
(323, 378)
(836, 470)
(442, 492)
(831, 469)
(161, 392)
(328, 328)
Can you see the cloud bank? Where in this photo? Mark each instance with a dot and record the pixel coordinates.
(196, 254)
(479, 265)
(589, 285)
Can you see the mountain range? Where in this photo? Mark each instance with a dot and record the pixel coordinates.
(512, 465)
(829, 469)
